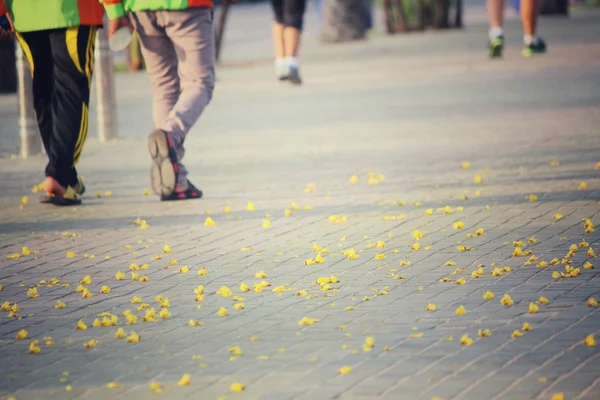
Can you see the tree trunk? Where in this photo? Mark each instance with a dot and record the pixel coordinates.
(554, 7)
(344, 20)
(8, 69)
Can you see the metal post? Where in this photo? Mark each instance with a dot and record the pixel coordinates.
(105, 88)
(29, 133)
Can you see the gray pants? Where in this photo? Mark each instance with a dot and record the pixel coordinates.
(178, 49)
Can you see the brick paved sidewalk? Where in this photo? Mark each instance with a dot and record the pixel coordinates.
(403, 123)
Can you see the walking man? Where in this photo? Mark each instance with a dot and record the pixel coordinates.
(57, 38)
(289, 19)
(529, 15)
(177, 42)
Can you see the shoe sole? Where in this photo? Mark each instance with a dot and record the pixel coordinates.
(163, 171)
(528, 52)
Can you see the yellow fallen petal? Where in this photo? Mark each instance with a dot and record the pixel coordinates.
(306, 321)
(164, 313)
(209, 222)
(156, 387)
(484, 333)
(591, 302)
(526, 327)
(557, 216)
(458, 225)
(260, 275)
(556, 275)
(583, 185)
(70, 254)
(113, 385)
(22, 334)
(516, 333)
(224, 291)
(86, 280)
(184, 381)
(344, 370)
(119, 276)
(133, 337)
(237, 387)
(120, 333)
(34, 347)
(202, 271)
(589, 341)
(104, 289)
(184, 269)
(533, 308)
(430, 307)
(460, 310)
(223, 312)
(238, 306)
(32, 292)
(417, 234)
(81, 326)
(465, 340)
(90, 344)
(506, 300)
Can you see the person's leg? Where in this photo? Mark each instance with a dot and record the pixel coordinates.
(73, 58)
(293, 19)
(496, 13)
(278, 44)
(496, 34)
(159, 54)
(529, 16)
(192, 34)
(36, 48)
(161, 63)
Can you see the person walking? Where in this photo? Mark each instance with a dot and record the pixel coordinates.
(178, 46)
(57, 38)
(287, 29)
(533, 44)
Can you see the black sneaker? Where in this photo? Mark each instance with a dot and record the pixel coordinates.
(294, 76)
(191, 193)
(495, 46)
(537, 47)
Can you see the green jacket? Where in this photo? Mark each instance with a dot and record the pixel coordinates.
(38, 15)
(118, 8)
